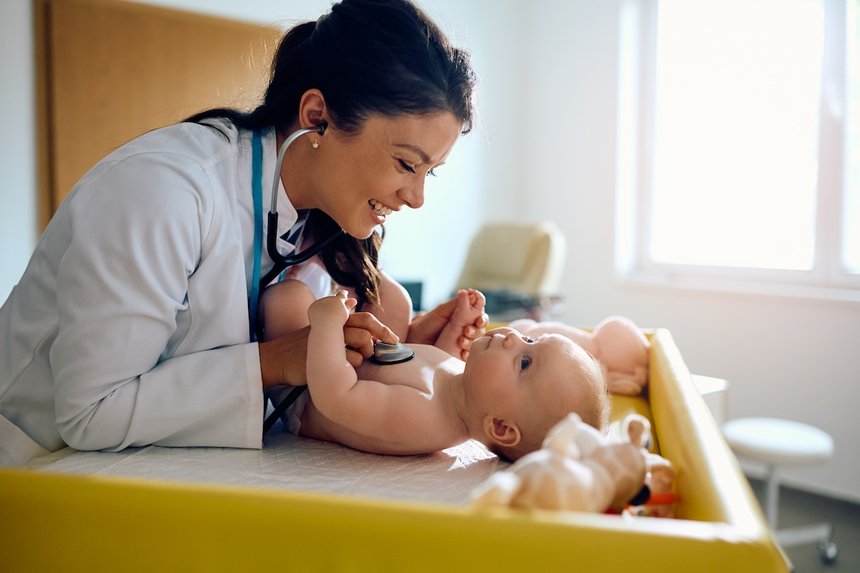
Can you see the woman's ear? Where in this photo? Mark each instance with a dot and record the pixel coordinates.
(312, 109)
(501, 432)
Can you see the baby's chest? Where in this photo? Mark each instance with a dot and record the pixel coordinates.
(415, 373)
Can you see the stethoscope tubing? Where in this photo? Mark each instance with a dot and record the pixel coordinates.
(280, 261)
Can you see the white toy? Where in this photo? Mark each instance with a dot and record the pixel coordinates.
(579, 469)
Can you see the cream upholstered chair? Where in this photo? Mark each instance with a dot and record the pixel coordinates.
(518, 266)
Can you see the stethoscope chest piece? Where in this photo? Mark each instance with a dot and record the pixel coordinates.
(391, 353)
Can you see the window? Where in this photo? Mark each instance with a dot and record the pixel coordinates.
(739, 157)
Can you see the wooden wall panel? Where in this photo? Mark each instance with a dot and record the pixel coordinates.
(110, 70)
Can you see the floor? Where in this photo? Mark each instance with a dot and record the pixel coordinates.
(802, 508)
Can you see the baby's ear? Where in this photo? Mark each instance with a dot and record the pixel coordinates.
(501, 432)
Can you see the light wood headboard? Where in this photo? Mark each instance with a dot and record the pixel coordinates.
(109, 70)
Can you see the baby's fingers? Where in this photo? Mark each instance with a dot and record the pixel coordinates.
(347, 300)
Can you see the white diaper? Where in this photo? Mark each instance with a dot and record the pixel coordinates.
(292, 416)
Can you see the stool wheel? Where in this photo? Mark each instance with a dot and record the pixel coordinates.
(828, 551)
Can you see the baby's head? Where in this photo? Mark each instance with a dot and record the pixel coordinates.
(517, 388)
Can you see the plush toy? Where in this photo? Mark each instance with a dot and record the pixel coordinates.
(617, 344)
(578, 469)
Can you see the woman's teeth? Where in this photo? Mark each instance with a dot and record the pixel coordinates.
(379, 208)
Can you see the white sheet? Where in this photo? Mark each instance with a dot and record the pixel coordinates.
(290, 462)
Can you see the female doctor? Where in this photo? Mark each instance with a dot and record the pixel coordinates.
(130, 325)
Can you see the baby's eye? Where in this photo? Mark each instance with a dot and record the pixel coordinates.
(525, 362)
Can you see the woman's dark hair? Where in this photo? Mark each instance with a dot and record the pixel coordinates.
(383, 57)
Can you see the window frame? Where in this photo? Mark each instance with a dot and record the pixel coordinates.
(827, 279)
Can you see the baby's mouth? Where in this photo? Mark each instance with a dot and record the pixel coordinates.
(379, 208)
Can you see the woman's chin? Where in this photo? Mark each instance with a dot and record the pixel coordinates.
(360, 233)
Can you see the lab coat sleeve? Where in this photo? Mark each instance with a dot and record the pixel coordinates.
(137, 232)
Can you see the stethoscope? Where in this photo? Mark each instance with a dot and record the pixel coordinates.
(281, 262)
(383, 353)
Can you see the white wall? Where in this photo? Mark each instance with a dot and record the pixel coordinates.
(18, 214)
(545, 147)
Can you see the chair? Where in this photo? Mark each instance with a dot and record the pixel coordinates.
(776, 443)
(518, 267)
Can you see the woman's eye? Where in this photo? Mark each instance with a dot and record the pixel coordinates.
(431, 172)
(406, 166)
(525, 362)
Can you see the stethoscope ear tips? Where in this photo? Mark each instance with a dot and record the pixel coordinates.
(322, 127)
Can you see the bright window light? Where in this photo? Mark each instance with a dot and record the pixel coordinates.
(851, 212)
(735, 157)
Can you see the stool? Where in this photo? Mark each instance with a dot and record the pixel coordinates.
(776, 443)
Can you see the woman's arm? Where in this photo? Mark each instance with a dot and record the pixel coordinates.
(128, 365)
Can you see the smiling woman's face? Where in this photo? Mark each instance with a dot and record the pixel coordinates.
(362, 178)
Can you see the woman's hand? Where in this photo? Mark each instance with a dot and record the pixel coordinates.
(284, 359)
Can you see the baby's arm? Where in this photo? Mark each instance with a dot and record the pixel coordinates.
(367, 407)
(328, 367)
(284, 308)
(469, 308)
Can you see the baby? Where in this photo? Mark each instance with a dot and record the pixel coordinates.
(507, 395)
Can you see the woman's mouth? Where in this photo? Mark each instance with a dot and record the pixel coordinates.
(380, 210)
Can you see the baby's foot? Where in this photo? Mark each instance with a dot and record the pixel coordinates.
(469, 308)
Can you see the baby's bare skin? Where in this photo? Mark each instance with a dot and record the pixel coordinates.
(424, 420)
(510, 386)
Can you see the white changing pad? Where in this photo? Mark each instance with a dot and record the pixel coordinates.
(294, 463)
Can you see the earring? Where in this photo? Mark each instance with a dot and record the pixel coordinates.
(315, 143)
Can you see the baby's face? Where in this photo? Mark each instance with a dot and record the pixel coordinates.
(507, 370)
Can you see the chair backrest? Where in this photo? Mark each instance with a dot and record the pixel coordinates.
(525, 258)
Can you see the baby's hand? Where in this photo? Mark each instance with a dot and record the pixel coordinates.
(331, 309)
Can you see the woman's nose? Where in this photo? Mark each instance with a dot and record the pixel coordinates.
(413, 195)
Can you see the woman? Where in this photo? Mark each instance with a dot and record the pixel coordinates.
(130, 325)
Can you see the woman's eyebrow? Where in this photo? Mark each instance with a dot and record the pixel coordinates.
(415, 149)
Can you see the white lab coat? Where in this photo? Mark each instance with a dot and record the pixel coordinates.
(130, 323)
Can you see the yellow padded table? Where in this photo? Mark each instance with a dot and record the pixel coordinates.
(58, 522)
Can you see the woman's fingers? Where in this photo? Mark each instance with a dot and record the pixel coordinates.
(371, 324)
(359, 332)
(354, 358)
(359, 340)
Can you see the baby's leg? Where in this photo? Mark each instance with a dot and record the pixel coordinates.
(470, 306)
(284, 308)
